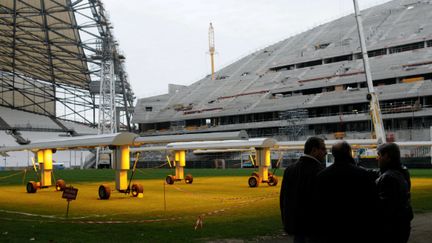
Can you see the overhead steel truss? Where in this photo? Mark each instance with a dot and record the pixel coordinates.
(50, 60)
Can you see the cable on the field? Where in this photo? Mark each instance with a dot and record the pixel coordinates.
(160, 166)
(8, 176)
(80, 220)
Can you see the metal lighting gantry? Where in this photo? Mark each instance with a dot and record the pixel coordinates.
(54, 54)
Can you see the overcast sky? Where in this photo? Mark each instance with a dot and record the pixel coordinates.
(166, 41)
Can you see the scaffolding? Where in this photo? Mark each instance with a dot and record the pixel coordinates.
(295, 123)
(52, 61)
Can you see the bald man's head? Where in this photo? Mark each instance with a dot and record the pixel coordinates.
(342, 152)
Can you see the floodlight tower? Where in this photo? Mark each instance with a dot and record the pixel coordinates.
(107, 97)
(211, 49)
(107, 105)
(107, 108)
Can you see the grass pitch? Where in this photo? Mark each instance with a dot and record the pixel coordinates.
(228, 207)
(166, 213)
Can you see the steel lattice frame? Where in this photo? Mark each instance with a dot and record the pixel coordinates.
(50, 60)
(107, 108)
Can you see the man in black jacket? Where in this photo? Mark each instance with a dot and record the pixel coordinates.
(394, 196)
(297, 190)
(348, 200)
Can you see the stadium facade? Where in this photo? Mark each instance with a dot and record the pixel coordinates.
(314, 83)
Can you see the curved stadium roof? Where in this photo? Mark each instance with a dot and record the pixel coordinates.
(42, 42)
(52, 54)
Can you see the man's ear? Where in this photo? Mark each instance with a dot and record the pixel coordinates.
(313, 151)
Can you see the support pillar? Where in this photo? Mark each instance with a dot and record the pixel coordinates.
(180, 163)
(45, 164)
(122, 166)
(263, 161)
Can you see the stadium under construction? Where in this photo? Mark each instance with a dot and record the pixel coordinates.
(62, 74)
(313, 83)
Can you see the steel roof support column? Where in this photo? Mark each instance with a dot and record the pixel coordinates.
(125, 100)
(45, 27)
(13, 52)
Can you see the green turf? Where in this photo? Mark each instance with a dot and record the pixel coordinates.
(77, 175)
(239, 228)
(421, 173)
(421, 193)
(230, 208)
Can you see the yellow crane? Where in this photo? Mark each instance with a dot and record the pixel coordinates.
(372, 97)
(211, 49)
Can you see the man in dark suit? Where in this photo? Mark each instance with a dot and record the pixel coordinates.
(348, 200)
(297, 190)
(394, 186)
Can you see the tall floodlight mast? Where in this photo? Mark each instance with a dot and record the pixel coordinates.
(211, 49)
(371, 96)
(107, 102)
(107, 107)
(107, 122)
(115, 106)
